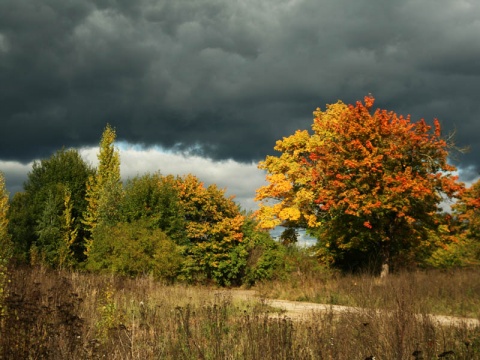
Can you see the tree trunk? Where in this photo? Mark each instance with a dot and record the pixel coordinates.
(385, 261)
(384, 272)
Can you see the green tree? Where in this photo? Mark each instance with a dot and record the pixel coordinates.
(134, 249)
(47, 182)
(49, 230)
(104, 189)
(154, 199)
(20, 218)
(363, 183)
(56, 230)
(266, 257)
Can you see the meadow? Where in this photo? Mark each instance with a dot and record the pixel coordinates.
(54, 314)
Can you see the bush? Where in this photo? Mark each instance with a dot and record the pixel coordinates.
(133, 249)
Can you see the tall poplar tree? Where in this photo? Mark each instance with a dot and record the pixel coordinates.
(104, 189)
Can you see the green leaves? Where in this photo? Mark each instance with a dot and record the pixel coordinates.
(172, 227)
(45, 188)
(134, 249)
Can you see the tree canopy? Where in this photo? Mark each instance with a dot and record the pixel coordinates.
(43, 199)
(364, 182)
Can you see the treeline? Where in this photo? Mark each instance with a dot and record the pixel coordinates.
(71, 215)
(367, 185)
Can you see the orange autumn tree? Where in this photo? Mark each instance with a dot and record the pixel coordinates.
(366, 184)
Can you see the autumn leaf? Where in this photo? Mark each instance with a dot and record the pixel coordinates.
(363, 179)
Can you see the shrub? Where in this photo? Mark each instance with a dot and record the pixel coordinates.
(133, 249)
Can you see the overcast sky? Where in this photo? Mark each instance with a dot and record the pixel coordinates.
(220, 81)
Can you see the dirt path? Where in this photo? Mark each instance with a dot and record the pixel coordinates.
(298, 309)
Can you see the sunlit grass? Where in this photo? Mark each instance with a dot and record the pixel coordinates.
(59, 315)
(455, 292)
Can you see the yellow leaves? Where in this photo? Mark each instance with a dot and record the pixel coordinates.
(312, 221)
(104, 190)
(289, 213)
(293, 143)
(211, 217)
(304, 196)
(266, 217)
(279, 186)
(330, 117)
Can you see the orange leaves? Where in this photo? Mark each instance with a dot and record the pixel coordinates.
(369, 101)
(367, 225)
(438, 131)
(358, 166)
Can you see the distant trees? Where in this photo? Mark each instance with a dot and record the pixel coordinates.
(154, 199)
(35, 215)
(169, 227)
(174, 228)
(168, 216)
(366, 184)
(456, 243)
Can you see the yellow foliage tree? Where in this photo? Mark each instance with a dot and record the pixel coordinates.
(214, 231)
(104, 189)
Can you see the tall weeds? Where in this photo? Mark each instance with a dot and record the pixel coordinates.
(455, 292)
(63, 315)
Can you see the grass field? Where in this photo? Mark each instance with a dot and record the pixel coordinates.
(65, 315)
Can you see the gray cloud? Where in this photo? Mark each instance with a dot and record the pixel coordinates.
(226, 79)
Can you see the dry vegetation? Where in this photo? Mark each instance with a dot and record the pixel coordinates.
(63, 315)
(453, 292)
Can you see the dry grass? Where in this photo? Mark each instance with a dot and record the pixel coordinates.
(60, 315)
(454, 293)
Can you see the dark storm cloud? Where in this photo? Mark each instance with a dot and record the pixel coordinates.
(226, 79)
